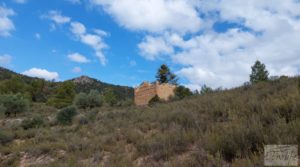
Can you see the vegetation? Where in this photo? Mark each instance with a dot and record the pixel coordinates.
(65, 115)
(58, 94)
(206, 90)
(110, 97)
(221, 128)
(182, 92)
(212, 128)
(12, 104)
(259, 73)
(164, 75)
(91, 100)
(64, 95)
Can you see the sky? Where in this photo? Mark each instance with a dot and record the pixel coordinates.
(123, 42)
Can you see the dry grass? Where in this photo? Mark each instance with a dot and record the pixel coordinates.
(223, 128)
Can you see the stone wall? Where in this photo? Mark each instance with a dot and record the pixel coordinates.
(146, 91)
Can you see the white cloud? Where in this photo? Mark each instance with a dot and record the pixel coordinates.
(76, 57)
(57, 17)
(6, 24)
(101, 32)
(5, 60)
(93, 40)
(153, 15)
(20, 1)
(76, 70)
(152, 47)
(41, 73)
(262, 30)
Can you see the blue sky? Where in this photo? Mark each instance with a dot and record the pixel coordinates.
(125, 41)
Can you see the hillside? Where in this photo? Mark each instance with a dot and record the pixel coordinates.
(85, 84)
(82, 84)
(223, 128)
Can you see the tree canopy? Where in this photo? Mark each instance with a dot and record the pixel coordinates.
(164, 75)
(259, 73)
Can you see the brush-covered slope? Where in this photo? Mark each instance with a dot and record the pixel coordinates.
(226, 128)
(85, 84)
(82, 84)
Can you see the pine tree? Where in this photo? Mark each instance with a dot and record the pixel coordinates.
(164, 75)
(259, 73)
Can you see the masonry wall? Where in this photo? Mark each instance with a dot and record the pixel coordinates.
(165, 91)
(144, 93)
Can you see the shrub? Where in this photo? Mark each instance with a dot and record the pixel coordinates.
(65, 115)
(91, 100)
(81, 120)
(91, 115)
(154, 100)
(64, 95)
(205, 90)
(5, 138)
(94, 99)
(13, 104)
(181, 92)
(81, 101)
(30, 123)
(110, 97)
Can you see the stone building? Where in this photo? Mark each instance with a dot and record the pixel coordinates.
(146, 91)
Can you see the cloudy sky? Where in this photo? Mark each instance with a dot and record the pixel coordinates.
(212, 42)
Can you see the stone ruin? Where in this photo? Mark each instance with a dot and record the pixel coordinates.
(146, 91)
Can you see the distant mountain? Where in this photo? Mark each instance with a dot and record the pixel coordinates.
(85, 84)
(82, 84)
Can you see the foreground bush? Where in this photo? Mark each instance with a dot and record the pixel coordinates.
(13, 104)
(5, 138)
(65, 115)
(91, 100)
(30, 123)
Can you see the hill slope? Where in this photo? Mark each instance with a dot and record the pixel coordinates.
(226, 128)
(85, 84)
(82, 84)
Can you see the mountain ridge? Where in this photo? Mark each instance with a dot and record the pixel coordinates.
(82, 83)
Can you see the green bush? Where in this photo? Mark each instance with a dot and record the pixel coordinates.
(81, 101)
(5, 138)
(91, 100)
(30, 123)
(182, 92)
(13, 104)
(110, 97)
(65, 115)
(94, 99)
(81, 119)
(154, 100)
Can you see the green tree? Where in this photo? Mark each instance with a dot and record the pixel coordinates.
(164, 75)
(206, 90)
(13, 104)
(36, 90)
(64, 95)
(94, 99)
(81, 101)
(259, 73)
(14, 85)
(110, 97)
(181, 92)
(91, 100)
(65, 115)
